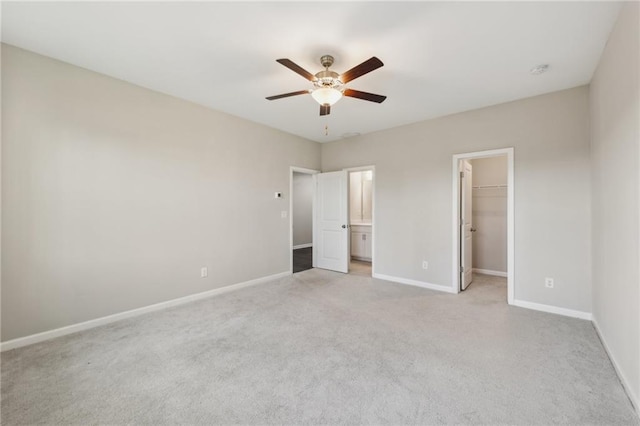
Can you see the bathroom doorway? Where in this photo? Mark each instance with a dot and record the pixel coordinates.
(361, 220)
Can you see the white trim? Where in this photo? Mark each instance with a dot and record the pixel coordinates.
(301, 246)
(359, 168)
(625, 384)
(553, 309)
(303, 170)
(313, 212)
(373, 212)
(414, 283)
(74, 328)
(490, 272)
(509, 152)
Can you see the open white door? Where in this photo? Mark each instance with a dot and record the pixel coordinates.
(331, 242)
(466, 224)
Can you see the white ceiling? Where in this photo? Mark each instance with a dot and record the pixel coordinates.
(440, 58)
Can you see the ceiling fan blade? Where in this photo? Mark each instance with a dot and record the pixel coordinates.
(360, 70)
(286, 95)
(325, 109)
(297, 69)
(364, 95)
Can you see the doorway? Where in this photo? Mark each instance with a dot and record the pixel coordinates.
(344, 225)
(483, 220)
(360, 221)
(302, 193)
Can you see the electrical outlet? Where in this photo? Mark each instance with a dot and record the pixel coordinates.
(548, 282)
(204, 272)
(425, 264)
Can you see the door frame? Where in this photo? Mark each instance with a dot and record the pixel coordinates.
(296, 169)
(456, 191)
(373, 211)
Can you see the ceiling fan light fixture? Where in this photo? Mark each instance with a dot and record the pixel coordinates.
(326, 95)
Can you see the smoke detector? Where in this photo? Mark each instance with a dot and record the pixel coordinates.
(539, 69)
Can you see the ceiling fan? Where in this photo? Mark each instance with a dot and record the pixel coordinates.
(328, 86)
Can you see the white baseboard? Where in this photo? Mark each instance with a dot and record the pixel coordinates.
(299, 246)
(74, 328)
(635, 401)
(490, 272)
(553, 309)
(415, 283)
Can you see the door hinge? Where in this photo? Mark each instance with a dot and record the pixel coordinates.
(461, 174)
(462, 269)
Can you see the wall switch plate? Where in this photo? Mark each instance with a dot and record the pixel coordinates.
(425, 264)
(548, 282)
(283, 214)
(204, 272)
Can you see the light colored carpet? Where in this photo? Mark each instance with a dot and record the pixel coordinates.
(323, 348)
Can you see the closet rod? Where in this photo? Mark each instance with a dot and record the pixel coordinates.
(489, 186)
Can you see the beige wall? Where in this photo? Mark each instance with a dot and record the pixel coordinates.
(615, 135)
(550, 134)
(302, 208)
(114, 196)
(490, 214)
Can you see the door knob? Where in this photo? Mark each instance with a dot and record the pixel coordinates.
(473, 229)
(344, 226)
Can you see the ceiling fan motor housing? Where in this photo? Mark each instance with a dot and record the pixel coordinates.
(327, 79)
